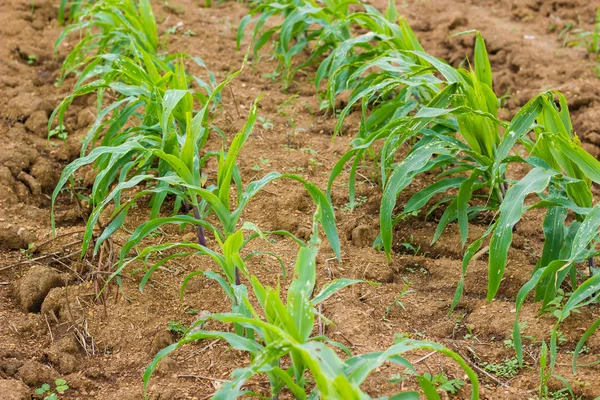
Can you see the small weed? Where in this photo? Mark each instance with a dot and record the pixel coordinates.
(258, 167)
(310, 151)
(60, 131)
(359, 201)
(442, 382)
(173, 30)
(403, 292)
(415, 249)
(505, 369)
(31, 59)
(469, 334)
(273, 76)
(191, 310)
(176, 327)
(60, 386)
(266, 124)
(578, 37)
(27, 253)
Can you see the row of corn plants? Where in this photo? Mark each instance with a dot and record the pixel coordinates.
(419, 116)
(149, 140)
(279, 338)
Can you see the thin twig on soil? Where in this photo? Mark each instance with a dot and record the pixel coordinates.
(201, 377)
(345, 338)
(194, 354)
(480, 253)
(36, 259)
(37, 247)
(237, 109)
(424, 357)
(49, 329)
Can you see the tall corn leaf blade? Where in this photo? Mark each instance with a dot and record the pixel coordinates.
(554, 236)
(400, 178)
(300, 291)
(511, 211)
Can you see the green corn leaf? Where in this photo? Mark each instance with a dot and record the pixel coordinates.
(588, 230)
(554, 234)
(483, 69)
(448, 216)
(333, 287)
(227, 166)
(422, 197)
(300, 291)
(428, 388)
(468, 256)
(240, 31)
(465, 192)
(236, 341)
(585, 290)
(511, 211)
(398, 180)
(588, 164)
(519, 126)
(538, 275)
(157, 265)
(90, 158)
(582, 341)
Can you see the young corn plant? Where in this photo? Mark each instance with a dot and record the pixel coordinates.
(284, 331)
(303, 22)
(383, 50)
(560, 167)
(590, 40)
(121, 54)
(69, 10)
(129, 140)
(120, 27)
(578, 245)
(185, 182)
(473, 114)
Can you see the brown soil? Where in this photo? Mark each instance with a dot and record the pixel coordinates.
(50, 325)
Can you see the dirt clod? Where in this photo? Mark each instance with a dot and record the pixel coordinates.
(162, 339)
(31, 290)
(37, 123)
(363, 236)
(13, 389)
(46, 173)
(63, 354)
(22, 106)
(14, 238)
(34, 373)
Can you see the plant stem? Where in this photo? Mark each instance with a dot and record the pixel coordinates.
(201, 238)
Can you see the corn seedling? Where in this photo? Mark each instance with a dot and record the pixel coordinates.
(326, 25)
(69, 10)
(383, 51)
(110, 26)
(578, 245)
(284, 331)
(150, 97)
(185, 183)
(166, 129)
(470, 94)
(579, 37)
